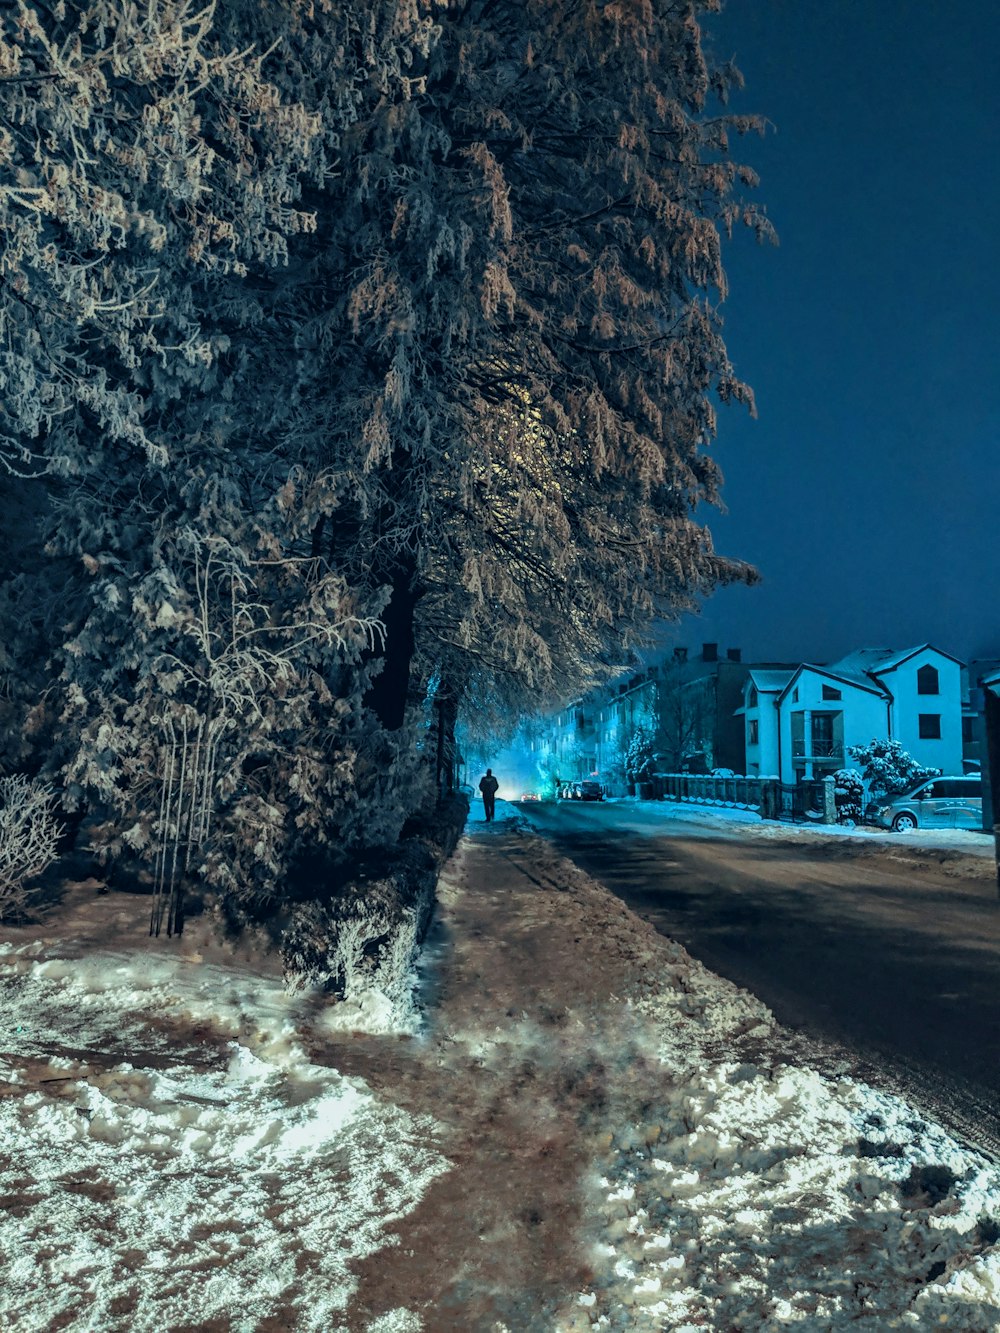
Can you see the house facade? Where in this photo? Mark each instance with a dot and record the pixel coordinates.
(760, 715)
(802, 726)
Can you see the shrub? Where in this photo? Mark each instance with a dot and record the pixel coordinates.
(849, 792)
(639, 756)
(29, 833)
(888, 768)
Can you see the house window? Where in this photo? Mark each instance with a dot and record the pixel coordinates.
(929, 726)
(753, 732)
(927, 681)
(830, 693)
(967, 732)
(795, 696)
(822, 735)
(752, 697)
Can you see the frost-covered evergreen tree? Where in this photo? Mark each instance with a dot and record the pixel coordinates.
(198, 666)
(514, 322)
(639, 755)
(365, 356)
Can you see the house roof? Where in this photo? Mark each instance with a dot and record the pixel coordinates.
(991, 682)
(769, 682)
(854, 678)
(876, 661)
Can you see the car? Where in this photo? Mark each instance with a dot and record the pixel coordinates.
(530, 796)
(945, 802)
(590, 790)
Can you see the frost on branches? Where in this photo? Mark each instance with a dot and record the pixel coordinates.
(365, 357)
(639, 756)
(29, 833)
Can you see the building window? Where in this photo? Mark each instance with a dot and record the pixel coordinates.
(927, 681)
(830, 693)
(752, 697)
(929, 726)
(822, 735)
(753, 734)
(795, 696)
(967, 732)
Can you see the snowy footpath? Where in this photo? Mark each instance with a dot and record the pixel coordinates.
(575, 1126)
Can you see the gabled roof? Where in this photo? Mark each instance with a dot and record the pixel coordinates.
(991, 682)
(878, 661)
(769, 681)
(856, 679)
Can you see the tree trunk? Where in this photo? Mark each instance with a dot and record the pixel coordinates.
(446, 706)
(388, 694)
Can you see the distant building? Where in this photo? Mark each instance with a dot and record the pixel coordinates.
(974, 711)
(689, 705)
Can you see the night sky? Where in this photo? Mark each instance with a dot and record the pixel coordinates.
(867, 491)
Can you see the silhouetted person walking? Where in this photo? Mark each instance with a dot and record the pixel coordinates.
(488, 786)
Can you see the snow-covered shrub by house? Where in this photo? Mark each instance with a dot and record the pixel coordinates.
(849, 790)
(887, 768)
(29, 833)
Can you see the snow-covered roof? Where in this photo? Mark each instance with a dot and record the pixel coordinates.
(862, 660)
(876, 661)
(769, 682)
(855, 678)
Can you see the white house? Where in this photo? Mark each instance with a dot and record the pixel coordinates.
(821, 712)
(801, 724)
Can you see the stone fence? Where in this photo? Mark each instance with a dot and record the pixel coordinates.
(807, 801)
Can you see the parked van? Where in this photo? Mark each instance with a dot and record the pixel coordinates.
(941, 803)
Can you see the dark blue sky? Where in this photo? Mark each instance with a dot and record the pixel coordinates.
(867, 492)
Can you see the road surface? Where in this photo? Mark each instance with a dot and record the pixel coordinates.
(886, 954)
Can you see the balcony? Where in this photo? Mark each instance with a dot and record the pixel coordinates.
(819, 750)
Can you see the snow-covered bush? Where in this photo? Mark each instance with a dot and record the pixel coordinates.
(639, 755)
(849, 791)
(29, 833)
(888, 768)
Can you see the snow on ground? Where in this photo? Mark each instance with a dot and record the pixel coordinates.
(757, 1197)
(736, 821)
(169, 1156)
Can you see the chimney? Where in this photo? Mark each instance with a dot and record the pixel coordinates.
(734, 655)
(709, 652)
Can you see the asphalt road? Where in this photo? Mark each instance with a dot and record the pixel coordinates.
(888, 961)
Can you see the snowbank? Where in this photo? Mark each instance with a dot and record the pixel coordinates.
(758, 1198)
(171, 1157)
(655, 817)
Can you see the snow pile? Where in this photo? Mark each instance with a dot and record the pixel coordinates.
(171, 1157)
(757, 1199)
(696, 1013)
